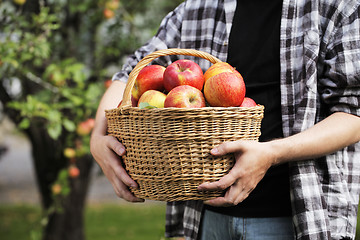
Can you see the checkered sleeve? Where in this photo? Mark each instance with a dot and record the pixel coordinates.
(340, 86)
(167, 36)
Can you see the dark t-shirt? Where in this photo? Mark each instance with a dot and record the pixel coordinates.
(254, 50)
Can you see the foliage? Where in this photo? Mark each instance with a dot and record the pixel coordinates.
(55, 58)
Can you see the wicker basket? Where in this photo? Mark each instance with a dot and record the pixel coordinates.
(168, 149)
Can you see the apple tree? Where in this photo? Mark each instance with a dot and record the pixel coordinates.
(56, 58)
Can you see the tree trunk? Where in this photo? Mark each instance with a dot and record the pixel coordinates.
(48, 160)
(69, 224)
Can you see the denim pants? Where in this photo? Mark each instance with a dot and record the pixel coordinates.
(217, 226)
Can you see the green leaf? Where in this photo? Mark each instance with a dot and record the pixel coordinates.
(65, 191)
(24, 124)
(146, 105)
(54, 130)
(69, 125)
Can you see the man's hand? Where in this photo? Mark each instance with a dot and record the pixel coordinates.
(107, 150)
(252, 160)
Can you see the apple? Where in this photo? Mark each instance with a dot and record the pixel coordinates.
(225, 90)
(183, 72)
(112, 4)
(85, 127)
(133, 102)
(19, 2)
(73, 171)
(185, 96)
(69, 152)
(218, 68)
(153, 98)
(56, 189)
(248, 102)
(149, 78)
(107, 83)
(108, 13)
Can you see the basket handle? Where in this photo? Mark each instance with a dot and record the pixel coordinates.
(152, 56)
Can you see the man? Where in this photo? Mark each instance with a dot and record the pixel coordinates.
(314, 89)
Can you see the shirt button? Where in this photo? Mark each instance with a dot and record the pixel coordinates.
(226, 43)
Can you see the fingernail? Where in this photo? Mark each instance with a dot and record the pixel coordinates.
(202, 186)
(214, 151)
(121, 151)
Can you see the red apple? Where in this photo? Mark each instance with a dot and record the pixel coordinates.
(108, 13)
(149, 78)
(107, 83)
(248, 102)
(85, 127)
(185, 96)
(183, 72)
(218, 68)
(133, 102)
(224, 90)
(73, 171)
(153, 98)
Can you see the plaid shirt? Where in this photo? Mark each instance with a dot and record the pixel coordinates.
(320, 69)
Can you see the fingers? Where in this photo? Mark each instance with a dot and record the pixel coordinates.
(250, 167)
(115, 145)
(224, 183)
(121, 173)
(236, 173)
(107, 153)
(116, 164)
(235, 195)
(122, 191)
(227, 147)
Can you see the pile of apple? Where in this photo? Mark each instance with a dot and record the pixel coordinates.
(184, 85)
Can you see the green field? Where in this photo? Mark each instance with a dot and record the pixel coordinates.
(105, 222)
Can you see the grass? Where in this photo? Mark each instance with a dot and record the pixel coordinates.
(17, 222)
(136, 222)
(105, 222)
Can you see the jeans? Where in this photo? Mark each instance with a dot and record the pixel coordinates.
(216, 226)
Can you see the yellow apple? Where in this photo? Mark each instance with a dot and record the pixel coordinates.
(153, 98)
(19, 2)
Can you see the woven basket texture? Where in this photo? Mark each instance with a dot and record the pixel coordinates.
(168, 149)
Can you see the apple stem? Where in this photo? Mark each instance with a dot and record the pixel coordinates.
(180, 68)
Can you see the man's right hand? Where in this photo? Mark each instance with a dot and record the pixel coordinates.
(107, 150)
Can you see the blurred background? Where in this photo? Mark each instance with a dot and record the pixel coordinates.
(56, 60)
